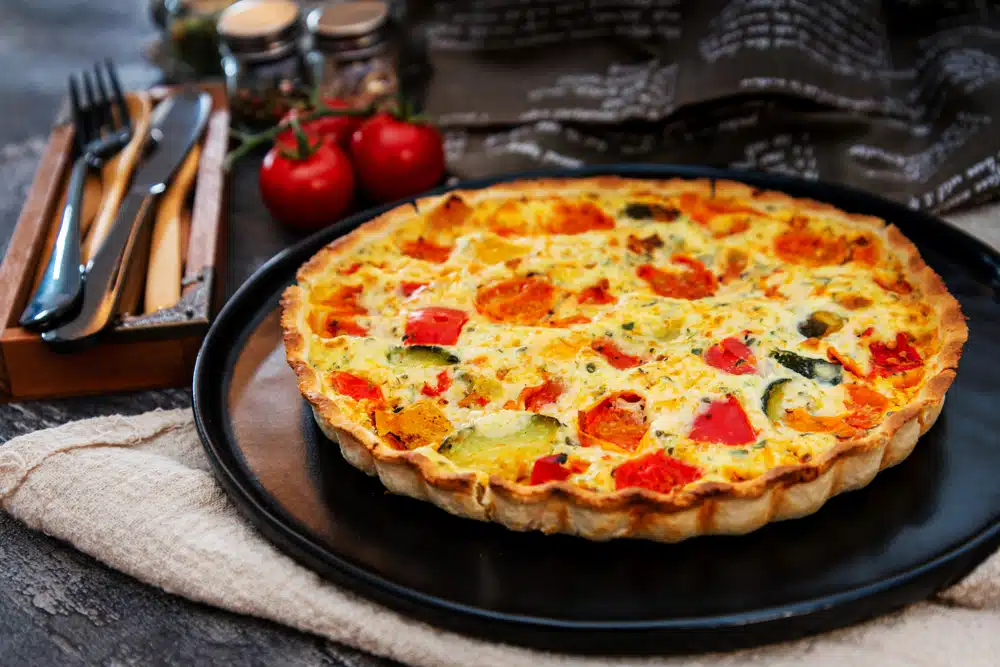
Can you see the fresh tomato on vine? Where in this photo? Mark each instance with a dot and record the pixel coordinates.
(306, 182)
(339, 127)
(397, 156)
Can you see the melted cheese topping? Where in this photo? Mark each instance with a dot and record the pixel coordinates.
(768, 269)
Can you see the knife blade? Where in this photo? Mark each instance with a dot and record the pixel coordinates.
(176, 125)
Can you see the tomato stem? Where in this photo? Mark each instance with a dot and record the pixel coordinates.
(250, 142)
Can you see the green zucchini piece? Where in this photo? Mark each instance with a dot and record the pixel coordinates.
(774, 397)
(821, 323)
(422, 355)
(640, 211)
(820, 370)
(503, 444)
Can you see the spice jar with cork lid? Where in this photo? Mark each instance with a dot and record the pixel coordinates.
(265, 66)
(353, 54)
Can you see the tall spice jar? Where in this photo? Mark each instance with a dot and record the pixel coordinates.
(353, 52)
(264, 61)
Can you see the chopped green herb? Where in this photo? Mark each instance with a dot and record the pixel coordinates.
(628, 326)
(696, 351)
(739, 452)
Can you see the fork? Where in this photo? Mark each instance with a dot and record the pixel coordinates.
(100, 133)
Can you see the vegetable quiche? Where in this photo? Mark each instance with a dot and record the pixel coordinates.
(623, 358)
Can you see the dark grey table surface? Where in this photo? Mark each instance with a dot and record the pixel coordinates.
(58, 606)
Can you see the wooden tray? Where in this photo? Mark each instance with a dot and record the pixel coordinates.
(141, 352)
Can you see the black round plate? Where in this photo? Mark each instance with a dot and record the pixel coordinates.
(915, 529)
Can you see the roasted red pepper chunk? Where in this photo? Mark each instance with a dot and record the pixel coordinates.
(597, 293)
(618, 420)
(724, 422)
(556, 467)
(547, 393)
(655, 471)
(426, 250)
(888, 360)
(356, 387)
(409, 288)
(732, 356)
(614, 355)
(339, 326)
(443, 384)
(434, 326)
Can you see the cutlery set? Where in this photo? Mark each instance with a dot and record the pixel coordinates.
(138, 153)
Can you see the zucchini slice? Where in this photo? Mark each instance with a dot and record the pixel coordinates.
(774, 397)
(426, 356)
(505, 444)
(821, 323)
(820, 370)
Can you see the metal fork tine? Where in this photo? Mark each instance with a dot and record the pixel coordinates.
(93, 118)
(107, 117)
(80, 127)
(118, 97)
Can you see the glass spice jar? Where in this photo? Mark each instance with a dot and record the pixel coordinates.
(353, 54)
(265, 66)
(192, 42)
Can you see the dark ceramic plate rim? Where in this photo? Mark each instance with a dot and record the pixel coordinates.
(295, 539)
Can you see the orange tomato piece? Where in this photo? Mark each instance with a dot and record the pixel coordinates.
(694, 283)
(849, 365)
(734, 263)
(344, 300)
(517, 300)
(577, 218)
(702, 210)
(801, 246)
(864, 250)
(616, 422)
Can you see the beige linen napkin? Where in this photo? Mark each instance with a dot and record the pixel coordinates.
(137, 493)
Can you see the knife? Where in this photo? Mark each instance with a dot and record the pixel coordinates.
(176, 125)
